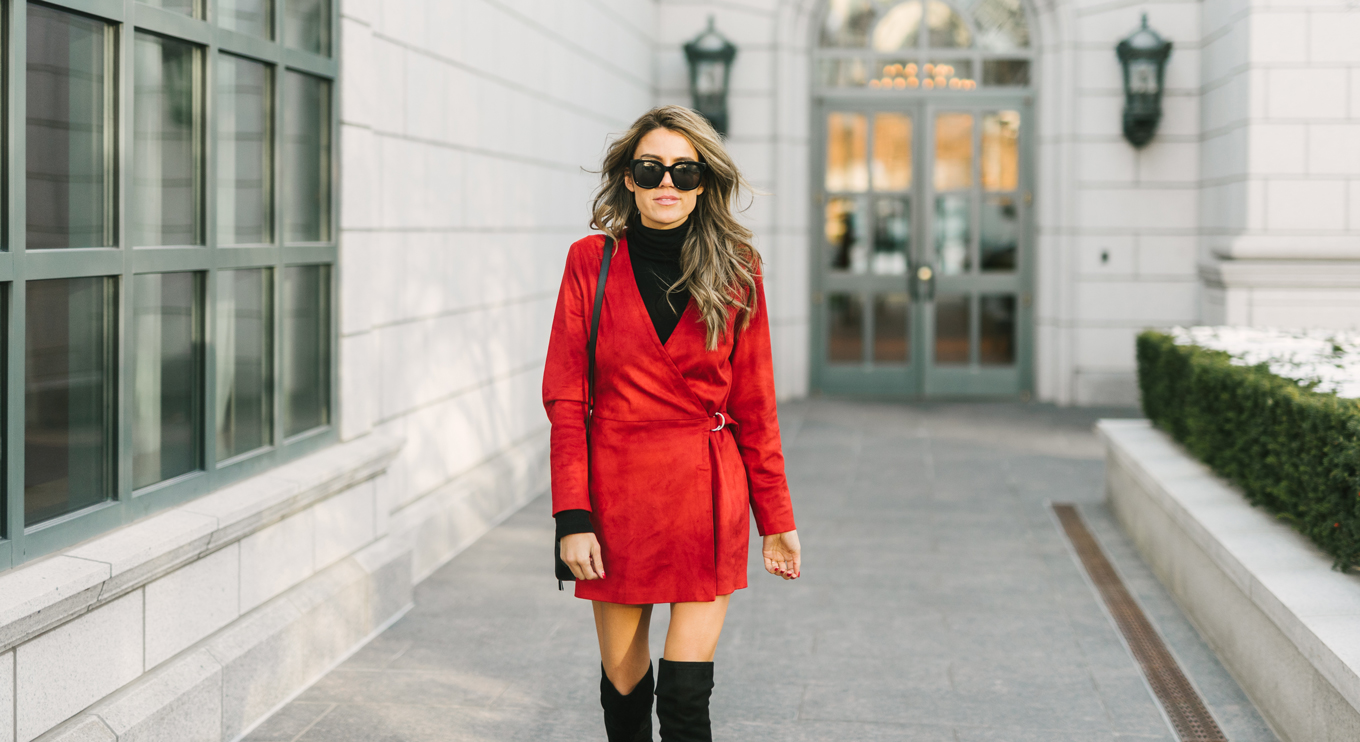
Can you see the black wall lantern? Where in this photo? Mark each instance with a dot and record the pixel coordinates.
(1143, 56)
(710, 57)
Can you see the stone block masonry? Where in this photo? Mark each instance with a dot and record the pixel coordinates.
(196, 623)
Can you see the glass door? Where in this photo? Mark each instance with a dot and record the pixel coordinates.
(973, 274)
(922, 267)
(869, 232)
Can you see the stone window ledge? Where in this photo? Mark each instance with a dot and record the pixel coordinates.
(39, 596)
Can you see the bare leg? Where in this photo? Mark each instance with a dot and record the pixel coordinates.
(622, 630)
(694, 631)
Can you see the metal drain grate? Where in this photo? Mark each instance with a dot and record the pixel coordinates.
(1182, 704)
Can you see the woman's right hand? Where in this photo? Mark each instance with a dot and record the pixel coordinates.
(581, 553)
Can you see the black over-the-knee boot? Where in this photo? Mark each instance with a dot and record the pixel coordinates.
(682, 691)
(627, 718)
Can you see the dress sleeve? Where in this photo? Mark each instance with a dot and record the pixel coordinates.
(752, 405)
(564, 386)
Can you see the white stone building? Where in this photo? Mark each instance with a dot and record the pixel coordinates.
(221, 560)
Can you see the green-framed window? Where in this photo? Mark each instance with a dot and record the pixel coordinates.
(167, 255)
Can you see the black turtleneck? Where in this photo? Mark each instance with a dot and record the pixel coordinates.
(656, 266)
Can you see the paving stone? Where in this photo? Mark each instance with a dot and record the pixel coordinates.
(939, 602)
(291, 721)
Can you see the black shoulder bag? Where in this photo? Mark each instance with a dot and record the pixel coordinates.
(560, 567)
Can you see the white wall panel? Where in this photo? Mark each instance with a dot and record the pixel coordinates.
(1161, 256)
(1277, 149)
(1141, 302)
(1109, 255)
(1334, 149)
(1332, 35)
(1169, 163)
(471, 123)
(1306, 204)
(1306, 93)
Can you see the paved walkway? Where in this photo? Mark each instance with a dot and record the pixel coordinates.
(939, 602)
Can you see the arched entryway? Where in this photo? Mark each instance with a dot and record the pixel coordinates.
(923, 179)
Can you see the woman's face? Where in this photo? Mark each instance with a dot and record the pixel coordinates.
(663, 207)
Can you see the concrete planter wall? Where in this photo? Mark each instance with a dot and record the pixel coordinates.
(1262, 596)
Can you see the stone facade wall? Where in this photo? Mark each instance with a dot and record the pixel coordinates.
(1281, 211)
(1117, 227)
(466, 127)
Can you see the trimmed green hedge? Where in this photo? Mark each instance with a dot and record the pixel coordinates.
(1292, 451)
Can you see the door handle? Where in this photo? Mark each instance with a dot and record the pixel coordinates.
(923, 283)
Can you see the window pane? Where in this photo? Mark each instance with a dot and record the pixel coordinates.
(952, 318)
(843, 73)
(996, 341)
(892, 152)
(896, 75)
(953, 74)
(187, 7)
(899, 29)
(848, 23)
(254, 17)
(244, 216)
(846, 222)
(847, 147)
(1001, 25)
(845, 335)
(69, 90)
(165, 170)
(68, 396)
(892, 235)
(245, 362)
(1000, 238)
(892, 331)
(307, 25)
(307, 164)
(946, 28)
(306, 348)
(165, 376)
(1005, 72)
(1001, 151)
(953, 151)
(952, 235)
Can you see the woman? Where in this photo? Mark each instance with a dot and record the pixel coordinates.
(683, 434)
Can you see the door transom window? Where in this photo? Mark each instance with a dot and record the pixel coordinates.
(924, 45)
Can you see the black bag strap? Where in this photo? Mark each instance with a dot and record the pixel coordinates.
(595, 329)
(590, 353)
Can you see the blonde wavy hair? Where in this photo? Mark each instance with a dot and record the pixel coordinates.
(718, 264)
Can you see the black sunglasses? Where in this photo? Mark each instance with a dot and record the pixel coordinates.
(685, 176)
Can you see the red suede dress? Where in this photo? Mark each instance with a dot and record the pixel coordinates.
(668, 495)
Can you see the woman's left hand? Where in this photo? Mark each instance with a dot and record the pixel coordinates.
(783, 555)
